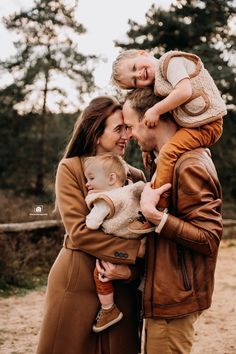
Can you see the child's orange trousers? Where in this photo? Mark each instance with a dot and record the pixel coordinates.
(184, 140)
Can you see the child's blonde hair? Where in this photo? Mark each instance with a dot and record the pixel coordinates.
(110, 163)
(115, 76)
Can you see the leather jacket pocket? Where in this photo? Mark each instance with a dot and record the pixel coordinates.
(183, 269)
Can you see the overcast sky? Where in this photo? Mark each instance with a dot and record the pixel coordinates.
(104, 20)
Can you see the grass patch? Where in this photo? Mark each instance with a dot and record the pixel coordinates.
(33, 283)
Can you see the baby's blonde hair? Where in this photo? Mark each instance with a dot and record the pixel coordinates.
(115, 76)
(110, 163)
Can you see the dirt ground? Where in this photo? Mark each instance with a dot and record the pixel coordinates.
(20, 317)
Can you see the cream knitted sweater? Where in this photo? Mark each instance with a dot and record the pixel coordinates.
(123, 207)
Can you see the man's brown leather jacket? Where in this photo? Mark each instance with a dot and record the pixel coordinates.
(181, 259)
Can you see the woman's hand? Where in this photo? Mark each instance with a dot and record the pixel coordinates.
(109, 271)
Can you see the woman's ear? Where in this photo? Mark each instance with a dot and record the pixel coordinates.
(112, 178)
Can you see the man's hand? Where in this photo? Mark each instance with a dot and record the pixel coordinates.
(149, 200)
(151, 117)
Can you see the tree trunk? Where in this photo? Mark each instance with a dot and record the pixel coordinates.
(39, 185)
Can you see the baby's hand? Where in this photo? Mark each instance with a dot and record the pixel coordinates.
(146, 156)
(151, 118)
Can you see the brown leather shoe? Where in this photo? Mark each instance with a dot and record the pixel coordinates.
(107, 318)
(141, 225)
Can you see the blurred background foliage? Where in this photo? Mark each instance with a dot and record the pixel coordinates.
(208, 29)
(34, 131)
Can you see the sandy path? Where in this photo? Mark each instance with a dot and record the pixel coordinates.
(20, 317)
(216, 328)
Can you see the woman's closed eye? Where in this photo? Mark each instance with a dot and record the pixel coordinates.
(118, 129)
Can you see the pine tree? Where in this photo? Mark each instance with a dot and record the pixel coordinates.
(47, 50)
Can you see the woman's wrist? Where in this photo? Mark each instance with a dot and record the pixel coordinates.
(125, 273)
(122, 272)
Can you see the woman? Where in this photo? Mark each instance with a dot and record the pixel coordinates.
(71, 300)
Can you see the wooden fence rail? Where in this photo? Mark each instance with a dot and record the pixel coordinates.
(28, 226)
(229, 226)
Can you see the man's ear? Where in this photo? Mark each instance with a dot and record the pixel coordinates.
(112, 179)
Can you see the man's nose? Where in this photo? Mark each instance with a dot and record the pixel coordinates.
(124, 134)
(129, 133)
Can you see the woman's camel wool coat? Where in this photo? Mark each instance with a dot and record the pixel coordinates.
(71, 300)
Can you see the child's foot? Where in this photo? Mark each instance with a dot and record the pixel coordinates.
(141, 225)
(107, 318)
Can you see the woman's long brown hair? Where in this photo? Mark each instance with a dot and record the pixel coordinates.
(90, 126)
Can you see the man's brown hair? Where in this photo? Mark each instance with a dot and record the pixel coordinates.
(141, 99)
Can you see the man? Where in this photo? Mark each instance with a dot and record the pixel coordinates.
(181, 254)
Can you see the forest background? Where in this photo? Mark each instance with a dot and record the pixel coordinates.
(37, 115)
(36, 120)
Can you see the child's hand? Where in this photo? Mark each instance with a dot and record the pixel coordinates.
(147, 159)
(151, 118)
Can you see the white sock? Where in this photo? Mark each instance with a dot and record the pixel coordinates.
(107, 307)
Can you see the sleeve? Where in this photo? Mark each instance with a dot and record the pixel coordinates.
(137, 270)
(176, 71)
(73, 210)
(97, 215)
(199, 225)
(135, 174)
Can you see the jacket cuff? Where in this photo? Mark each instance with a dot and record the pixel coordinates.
(169, 229)
(162, 223)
